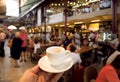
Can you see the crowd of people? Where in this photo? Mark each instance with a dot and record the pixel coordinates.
(23, 45)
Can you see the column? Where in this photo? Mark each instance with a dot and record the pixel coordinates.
(65, 15)
(20, 13)
(44, 20)
(114, 14)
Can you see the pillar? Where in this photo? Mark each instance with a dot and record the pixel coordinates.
(65, 15)
(114, 15)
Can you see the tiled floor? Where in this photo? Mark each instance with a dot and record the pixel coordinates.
(8, 73)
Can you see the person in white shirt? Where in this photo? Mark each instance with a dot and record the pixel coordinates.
(36, 46)
(115, 41)
(76, 58)
(74, 54)
(48, 37)
(77, 38)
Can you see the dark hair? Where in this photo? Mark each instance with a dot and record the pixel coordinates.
(72, 48)
(36, 40)
(116, 62)
(84, 39)
(57, 39)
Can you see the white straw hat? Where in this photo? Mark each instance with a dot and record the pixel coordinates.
(112, 57)
(12, 27)
(22, 28)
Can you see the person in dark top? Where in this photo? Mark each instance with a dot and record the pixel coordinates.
(58, 42)
(16, 48)
(118, 47)
(68, 40)
(2, 43)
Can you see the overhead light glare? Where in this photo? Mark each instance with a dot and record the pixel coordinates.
(95, 20)
(56, 25)
(91, 1)
(48, 26)
(62, 25)
(78, 22)
(49, 10)
(68, 24)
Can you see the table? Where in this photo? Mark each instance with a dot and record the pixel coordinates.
(88, 54)
(85, 49)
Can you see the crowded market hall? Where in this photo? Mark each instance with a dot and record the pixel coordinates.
(59, 40)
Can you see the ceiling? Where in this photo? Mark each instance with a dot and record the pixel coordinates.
(3, 17)
(8, 19)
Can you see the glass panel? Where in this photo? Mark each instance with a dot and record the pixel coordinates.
(12, 8)
(27, 4)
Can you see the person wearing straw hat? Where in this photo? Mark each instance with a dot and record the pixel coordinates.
(2, 40)
(111, 71)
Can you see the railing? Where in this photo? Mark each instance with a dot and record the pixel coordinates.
(91, 8)
(95, 9)
(96, 6)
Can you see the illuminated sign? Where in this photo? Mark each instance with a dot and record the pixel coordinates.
(94, 26)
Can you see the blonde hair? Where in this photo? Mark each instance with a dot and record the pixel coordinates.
(17, 34)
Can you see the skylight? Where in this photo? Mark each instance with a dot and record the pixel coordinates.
(12, 8)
